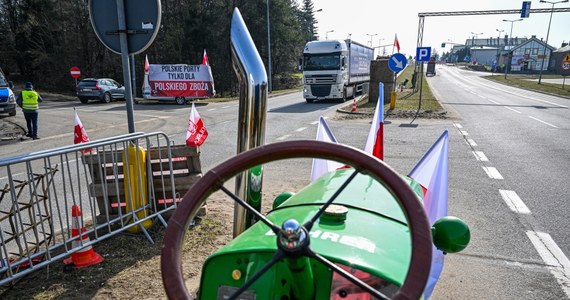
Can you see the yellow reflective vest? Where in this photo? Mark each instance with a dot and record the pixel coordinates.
(30, 100)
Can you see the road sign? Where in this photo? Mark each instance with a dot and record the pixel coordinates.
(142, 20)
(566, 65)
(75, 72)
(525, 11)
(423, 53)
(567, 58)
(397, 62)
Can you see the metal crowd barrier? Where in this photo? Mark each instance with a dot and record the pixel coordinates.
(38, 191)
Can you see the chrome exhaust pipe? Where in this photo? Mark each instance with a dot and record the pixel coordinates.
(250, 70)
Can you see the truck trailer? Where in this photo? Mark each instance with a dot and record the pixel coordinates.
(335, 69)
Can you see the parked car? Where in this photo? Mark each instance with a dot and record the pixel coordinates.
(103, 89)
(7, 97)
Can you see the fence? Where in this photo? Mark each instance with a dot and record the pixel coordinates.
(127, 182)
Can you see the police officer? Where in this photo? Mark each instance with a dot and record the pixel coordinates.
(29, 100)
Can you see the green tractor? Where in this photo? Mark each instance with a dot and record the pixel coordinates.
(357, 232)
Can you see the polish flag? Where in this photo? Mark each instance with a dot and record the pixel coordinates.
(197, 132)
(396, 43)
(80, 135)
(375, 141)
(322, 166)
(205, 58)
(431, 173)
(146, 65)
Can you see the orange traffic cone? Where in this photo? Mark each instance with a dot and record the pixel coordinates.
(353, 105)
(86, 256)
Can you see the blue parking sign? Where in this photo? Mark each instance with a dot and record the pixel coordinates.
(423, 53)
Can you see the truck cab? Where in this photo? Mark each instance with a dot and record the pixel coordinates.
(325, 70)
(7, 97)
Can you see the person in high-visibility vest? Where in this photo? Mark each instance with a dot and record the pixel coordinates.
(29, 100)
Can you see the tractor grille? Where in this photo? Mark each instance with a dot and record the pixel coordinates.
(320, 79)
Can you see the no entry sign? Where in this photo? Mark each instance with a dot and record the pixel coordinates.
(75, 72)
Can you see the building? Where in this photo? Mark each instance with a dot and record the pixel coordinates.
(528, 56)
(560, 62)
(484, 55)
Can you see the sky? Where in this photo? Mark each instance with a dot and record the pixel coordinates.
(375, 20)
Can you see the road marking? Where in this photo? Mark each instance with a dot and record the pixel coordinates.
(314, 123)
(471, 143)
(480, 156)
(211, 109)
(541, 121)
(225, 107)
(494, 102)
(511, 109)
(283, 137)
(492, 173)
(459, 126)
(464, 132)
(300, 129)
(514, 202)
(552, 255)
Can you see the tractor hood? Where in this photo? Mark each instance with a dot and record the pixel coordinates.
(374, 237)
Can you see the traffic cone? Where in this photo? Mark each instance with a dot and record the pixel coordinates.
(86, 256)
(353, 105)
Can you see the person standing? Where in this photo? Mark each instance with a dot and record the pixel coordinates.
(29, 100)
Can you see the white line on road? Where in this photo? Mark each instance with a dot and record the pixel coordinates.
(492, 173)
(514, 202)
(314, 123)
(225, 107)
(283, 137)
(553, 256)
(211, 109)
(471, 143)
(541, 121)
(511, 109)
(459, 126)
(300, 129)
(480, 156)
(492, 101)
(464, 132)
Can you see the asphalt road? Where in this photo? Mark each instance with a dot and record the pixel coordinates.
(518, 249)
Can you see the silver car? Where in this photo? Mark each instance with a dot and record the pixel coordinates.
(102, 89)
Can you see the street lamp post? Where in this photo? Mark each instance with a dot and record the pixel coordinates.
(547, 34)
(268, 51)
(312, 27)
(371, 36)
(508, 63)
(498, 47)
(327, 34)
(476, 35)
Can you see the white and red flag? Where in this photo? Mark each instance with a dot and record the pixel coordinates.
(431, 173)
(375, 141)
(205, 58)
(80, 135)
(322, 166)
(146, 65)
(196, 133)
(396, 43)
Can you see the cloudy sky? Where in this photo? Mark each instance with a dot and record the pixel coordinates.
(379, 21)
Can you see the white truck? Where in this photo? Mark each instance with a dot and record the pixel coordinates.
(335, 69)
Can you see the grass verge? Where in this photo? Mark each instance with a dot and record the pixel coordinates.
(528, 82)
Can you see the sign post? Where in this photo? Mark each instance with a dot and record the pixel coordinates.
(422, 54)
(75, 73)
(126, 27)
(525, 11)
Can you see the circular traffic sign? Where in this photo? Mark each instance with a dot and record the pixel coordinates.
(141, 18)
(566, 65)
(397, 62)
(75, 72)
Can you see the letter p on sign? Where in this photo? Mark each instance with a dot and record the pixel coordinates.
(423, 53)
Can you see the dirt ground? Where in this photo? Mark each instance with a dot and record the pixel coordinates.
(131, 269)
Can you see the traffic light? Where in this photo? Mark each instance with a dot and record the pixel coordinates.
(442, 45)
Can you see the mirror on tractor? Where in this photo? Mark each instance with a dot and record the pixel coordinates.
(450, 234)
